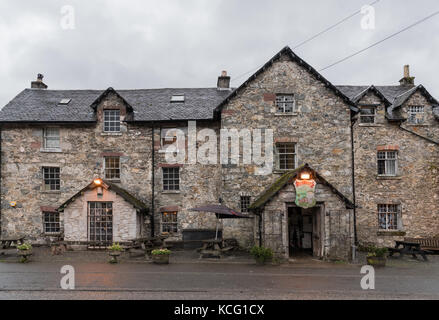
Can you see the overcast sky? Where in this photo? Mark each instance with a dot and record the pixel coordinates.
(154, 44)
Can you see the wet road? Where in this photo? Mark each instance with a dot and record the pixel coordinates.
(38, 280)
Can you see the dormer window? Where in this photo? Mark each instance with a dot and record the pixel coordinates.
(51, 138)
(111, 120)
(285, 103)
(367, 114)
(416, 114)
(178, 98)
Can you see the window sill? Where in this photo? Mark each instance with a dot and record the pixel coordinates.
(51, 191)
(111, 133)
(389, 177)
(281, 171)
(52, 234)
(370, 125)
(113, 180)
(50, 150)
(391, 233)
(171, 191)
(418, 125)
(168, 151)
(286, 114)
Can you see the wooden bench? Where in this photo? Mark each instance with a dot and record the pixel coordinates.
(5, 243)
(430, 244)
(405, 247)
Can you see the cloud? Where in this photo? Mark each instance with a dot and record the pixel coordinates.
(149, 44)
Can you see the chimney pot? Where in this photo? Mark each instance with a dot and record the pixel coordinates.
(223, 81)
(38, 84)
(407, 80)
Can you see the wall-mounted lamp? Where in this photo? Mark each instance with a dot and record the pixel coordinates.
(305, 176)
(97, 182)
(13, 204)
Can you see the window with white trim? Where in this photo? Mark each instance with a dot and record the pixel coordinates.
(51, 222)
(171, 179)
(285, 156)
(169, 222)
(367, 114)
(389, 217)
(285, 103)
(51, 138)
(244, 203)
(111, 120)
(416, 114)
(51, 179)
(387, 163)
(112, 168)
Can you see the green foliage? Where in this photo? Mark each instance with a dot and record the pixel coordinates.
(160, 252)
(262, 254)
(24, 246)
(373, 251)
(115, 247)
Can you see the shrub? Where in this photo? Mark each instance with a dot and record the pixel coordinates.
(376, 252)
(24, 246)
(261, 254)
(115, 247)
(160, 252)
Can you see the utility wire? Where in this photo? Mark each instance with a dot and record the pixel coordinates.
(381, 41)
(313, 37)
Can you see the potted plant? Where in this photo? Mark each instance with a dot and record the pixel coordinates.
(24, 251)
(115, 251)
(160, 256)
(261, 254)
(377, 256)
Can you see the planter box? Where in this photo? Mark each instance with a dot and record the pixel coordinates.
(160, 258)
(376, 261)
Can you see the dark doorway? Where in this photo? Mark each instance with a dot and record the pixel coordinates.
(302, 231)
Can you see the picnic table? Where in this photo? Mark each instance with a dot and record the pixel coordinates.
(147, 244)
(5, 243)
(404, 247)
(211, 248)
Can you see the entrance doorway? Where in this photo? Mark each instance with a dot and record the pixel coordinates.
(100, 223)
(304, 231)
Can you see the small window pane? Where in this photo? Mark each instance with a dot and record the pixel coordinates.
(387, 163)
(171, 179)
(51, 222)
(367, 114)
(416, 114)
(51, 178)
(112, 168)
(388, 216)
(51, 138)
(285, 103)
(286, 156)
(112, 120)
(245, 203)
(169, 222)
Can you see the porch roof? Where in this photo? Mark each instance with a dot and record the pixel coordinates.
(127, 196)
(288, 177)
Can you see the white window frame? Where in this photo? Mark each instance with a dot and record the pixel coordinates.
(386, 160)
(172, 185)
(47, 135)
(373, 116)
(52, 181)
(113, 122)
(416, 114)
(113, 168)
(387, 209)
(277, 155)
(52, 221)
(282, 103)
(172, 224)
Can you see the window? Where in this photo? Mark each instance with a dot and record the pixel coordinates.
(172, 136)
(367, 114)
(285, 103)
(51, 138)
(171, 179)
(285, 156)
(388, 216)
(51, 178)
(416, 114)
(112, 168)
(177, 98)
(387, 163)
(112, 120)
(245, 203)
(51, 222)
(169, 222)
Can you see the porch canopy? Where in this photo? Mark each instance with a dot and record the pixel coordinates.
(221, 212)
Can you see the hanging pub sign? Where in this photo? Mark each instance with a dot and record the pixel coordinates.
(305, 193)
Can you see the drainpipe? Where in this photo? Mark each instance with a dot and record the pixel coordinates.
(354, 198)
(152, 183)
(0, 181)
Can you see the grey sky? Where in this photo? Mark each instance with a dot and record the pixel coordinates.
(153, 44)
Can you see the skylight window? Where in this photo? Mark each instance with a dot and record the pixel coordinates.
(177, 98)
(65, 101)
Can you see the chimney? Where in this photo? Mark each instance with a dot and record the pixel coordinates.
(39, 84)
(223, 81)
(407, 80)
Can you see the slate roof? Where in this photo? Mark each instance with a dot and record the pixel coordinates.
(37, 105)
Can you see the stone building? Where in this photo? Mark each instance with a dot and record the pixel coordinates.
(112, 165)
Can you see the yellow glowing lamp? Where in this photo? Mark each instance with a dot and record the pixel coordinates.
(97, 182)
(13, 203)
(305, 176)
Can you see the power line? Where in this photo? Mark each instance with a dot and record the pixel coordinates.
(382, 40)
(313, 37)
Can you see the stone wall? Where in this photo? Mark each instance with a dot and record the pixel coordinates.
(414, 189)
